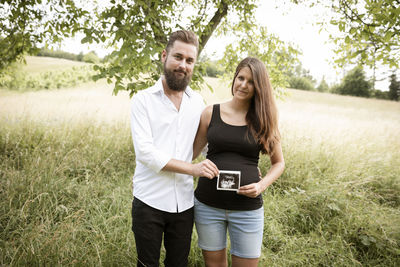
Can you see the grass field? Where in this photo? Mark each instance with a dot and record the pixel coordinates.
(45, 73)
(66, 162)
(43, 64)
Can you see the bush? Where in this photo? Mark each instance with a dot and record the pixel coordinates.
(213, 71)
(323, 86)
(91, 57)
(355, 84)
(301, 83)
(44, 52)
(380, 94)
(209, 68)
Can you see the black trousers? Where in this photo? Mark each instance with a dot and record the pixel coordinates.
(150, 224)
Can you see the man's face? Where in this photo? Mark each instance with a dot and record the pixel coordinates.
(179, 64)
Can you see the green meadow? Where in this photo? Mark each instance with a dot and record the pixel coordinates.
(67, 160)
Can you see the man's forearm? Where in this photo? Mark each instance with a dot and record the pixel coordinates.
(206, 168)
(179, 166)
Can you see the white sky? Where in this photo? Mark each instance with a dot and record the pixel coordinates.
(291, 23)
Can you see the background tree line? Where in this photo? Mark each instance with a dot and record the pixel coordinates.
(354, 83)
(90, 57)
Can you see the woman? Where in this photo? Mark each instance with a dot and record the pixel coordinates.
(236, 132)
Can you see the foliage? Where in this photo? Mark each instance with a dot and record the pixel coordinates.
(354, 83)
(91, 57)
(300, 71)
(323, 86)
(211, 68)
(138, 33)
(140, 53)
(300, 78)
(278, 57)
(26, 24)
(335, 88)
(380, 94)
(19, 80)
(151, 23)
(45, 52)
(301, 83)
(79, 57)
(369, 31)
(394, 88)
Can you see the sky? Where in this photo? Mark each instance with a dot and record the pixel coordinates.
(291, 23)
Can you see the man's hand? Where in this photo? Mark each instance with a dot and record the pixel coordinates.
(206, 168)
(250, 190)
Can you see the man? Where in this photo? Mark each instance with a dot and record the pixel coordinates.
(164, 122)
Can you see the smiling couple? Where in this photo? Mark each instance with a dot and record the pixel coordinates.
(170, 127)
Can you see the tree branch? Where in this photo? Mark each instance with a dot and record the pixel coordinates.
(212, 25)
(357, 16)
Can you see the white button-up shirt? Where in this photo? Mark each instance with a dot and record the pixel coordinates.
(160, 132)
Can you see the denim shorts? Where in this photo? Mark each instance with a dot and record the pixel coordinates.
(245, 229)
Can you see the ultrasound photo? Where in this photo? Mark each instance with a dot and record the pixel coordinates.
(228, 180)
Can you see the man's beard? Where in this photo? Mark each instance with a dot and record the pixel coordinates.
(175, 82)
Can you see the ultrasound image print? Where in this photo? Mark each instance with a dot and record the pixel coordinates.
(228, 180)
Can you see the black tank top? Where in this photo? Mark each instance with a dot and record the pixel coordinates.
(230, 148)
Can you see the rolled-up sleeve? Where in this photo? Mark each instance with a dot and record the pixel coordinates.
(145, 150)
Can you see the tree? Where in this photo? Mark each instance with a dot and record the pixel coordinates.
(301, 83)
(211, 67)
(355, 84)
(138, 31)
(369, 30)
(394, 88)
(142, 30)
(323, 86)
(380, 94)
(370, 33)
(44, 52)
(300, 78)
(26, 24)
(91, 57)
(278, 57)
(79, 57)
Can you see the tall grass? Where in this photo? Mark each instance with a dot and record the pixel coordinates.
(63, 193)
(66, 162)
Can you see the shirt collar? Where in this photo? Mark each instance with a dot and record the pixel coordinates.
(158, 87)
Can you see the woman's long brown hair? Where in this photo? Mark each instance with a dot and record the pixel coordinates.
(262, 117)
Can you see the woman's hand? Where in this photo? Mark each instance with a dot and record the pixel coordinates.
(277, 167)
(251, 190)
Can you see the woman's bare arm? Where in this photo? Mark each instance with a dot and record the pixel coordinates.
(201, 137)
(276, 170)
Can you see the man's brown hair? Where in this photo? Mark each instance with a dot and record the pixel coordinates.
(183, 36)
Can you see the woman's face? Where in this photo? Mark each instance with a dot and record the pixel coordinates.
(243, 87)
